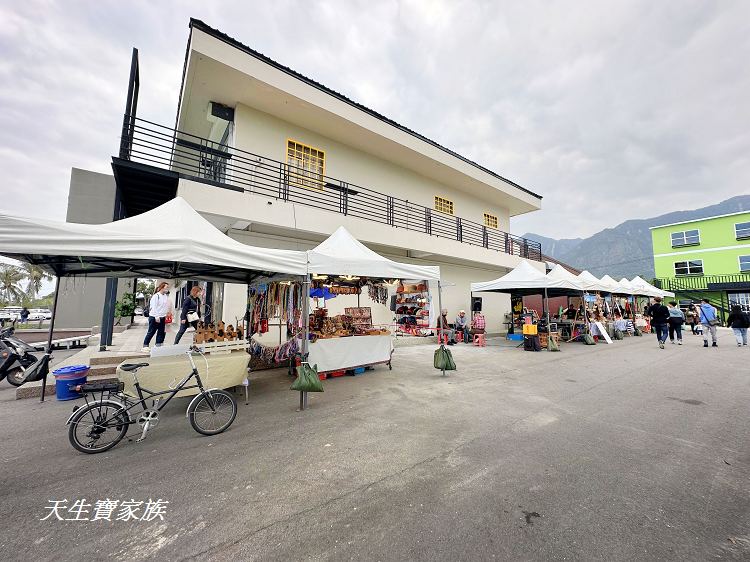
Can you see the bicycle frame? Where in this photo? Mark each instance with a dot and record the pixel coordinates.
(150, 394)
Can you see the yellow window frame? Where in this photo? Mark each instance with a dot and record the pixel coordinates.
(443, 205)
(306, 165)
(491, 221)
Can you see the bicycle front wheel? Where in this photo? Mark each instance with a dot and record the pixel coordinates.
(98, 427)
(213, 412)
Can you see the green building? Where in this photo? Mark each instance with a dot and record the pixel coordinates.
(705, 258)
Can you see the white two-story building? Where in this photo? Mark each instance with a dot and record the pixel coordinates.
(275, 159)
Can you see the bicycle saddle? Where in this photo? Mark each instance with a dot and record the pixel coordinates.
(132, 366)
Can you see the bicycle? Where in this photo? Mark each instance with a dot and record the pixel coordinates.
(210, 412)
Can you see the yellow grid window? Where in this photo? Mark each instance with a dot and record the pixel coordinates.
(443, 205)
(306, 165)
(490, 221)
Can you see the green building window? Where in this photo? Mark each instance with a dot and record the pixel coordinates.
(692, 267)
(742, 230)
(745, 264)
(687, 238)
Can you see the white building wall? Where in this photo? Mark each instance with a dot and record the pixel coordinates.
(266, 135)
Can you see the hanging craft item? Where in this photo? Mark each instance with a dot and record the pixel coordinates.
(378, 294)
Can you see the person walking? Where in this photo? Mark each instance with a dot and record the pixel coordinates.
(190, 314)
(24, 315)
(158, 308)
(462, 325)
(709, 320)
(659, 315)
(676, 320)
(739, 322)
(692, 318)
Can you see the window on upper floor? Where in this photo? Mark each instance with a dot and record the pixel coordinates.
(742, 230)
(443, 205)
(490, 220)
(745, 264)
(692, 267)
(306, 165)
(686, 238)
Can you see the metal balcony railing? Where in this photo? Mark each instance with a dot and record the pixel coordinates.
(701, 282)
(204, 160)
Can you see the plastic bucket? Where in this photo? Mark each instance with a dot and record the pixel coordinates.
(67, 378)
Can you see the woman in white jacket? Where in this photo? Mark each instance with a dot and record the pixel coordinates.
(158, 308)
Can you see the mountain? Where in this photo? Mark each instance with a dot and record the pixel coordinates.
(625, 250)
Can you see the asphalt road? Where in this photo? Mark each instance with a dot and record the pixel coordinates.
(621, 452)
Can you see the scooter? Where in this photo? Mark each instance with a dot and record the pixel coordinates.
(16, 357)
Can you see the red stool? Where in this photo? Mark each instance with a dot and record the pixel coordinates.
(479, 340)
(442, 337)
(460, 337)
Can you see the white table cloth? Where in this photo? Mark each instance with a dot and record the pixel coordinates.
(346, 353)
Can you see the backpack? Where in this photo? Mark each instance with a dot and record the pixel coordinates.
(588, 339)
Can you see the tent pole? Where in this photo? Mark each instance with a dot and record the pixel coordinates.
(440, 312)
(546, 308)
(305, 333)
(48, 354)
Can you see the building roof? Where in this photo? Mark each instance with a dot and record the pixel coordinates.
(700, 220)
(198, 24)
(552, 260)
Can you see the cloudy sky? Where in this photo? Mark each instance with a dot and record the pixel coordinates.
(610, 110)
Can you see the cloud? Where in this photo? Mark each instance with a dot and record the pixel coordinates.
(609, 110)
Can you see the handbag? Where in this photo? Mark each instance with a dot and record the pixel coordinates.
(443, 359)
(193, 316)
(168, 318)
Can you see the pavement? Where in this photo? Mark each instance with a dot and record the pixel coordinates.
(608, 452)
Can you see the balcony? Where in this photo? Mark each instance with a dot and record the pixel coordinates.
(191, 157)
(739, 282)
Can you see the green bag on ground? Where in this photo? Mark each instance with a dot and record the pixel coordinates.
(618, 335)
(307, 379)
(443, 359)
(611, 330)
(552, 344)
(637, 332)
(588, 339)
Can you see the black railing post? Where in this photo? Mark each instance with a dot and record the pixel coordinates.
(343, 197)
(389, 210)
(485, 237)
(459, 230)
(427, 221)
(525, 248)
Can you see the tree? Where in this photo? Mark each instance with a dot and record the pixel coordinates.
(11, 277)
(125, 307)
(35, 276)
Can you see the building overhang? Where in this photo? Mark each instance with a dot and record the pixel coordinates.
(219, 69)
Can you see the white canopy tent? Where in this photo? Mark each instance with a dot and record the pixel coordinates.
(525, 279)
(613, 286)
(592, 283)
(627, 287)
(559, 272)
(342, 254)
(170, 241)
(648, 289)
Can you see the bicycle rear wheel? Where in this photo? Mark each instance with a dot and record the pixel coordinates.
(213, 412)
(98, 427)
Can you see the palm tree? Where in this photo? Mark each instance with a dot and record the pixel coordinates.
(10, 283)
(35, 275)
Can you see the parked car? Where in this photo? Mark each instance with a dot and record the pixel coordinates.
(36, 314)
(138, 311)
(10, 313)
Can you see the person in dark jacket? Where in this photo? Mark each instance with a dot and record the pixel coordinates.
(739, 322)
(659, 320)
(191, 304)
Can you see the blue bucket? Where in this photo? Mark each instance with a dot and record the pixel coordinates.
(67, 378)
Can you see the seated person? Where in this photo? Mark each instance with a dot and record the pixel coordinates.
(462, 325)
(478, 323)
(444, 327)
(622, 324)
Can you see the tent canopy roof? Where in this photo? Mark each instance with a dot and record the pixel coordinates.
(342, 254)
(525, 279)
(170, 241)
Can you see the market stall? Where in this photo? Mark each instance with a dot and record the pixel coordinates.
(170, 241)
(342, 265)
(525, 279)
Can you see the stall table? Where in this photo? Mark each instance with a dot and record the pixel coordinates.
(334, 354)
